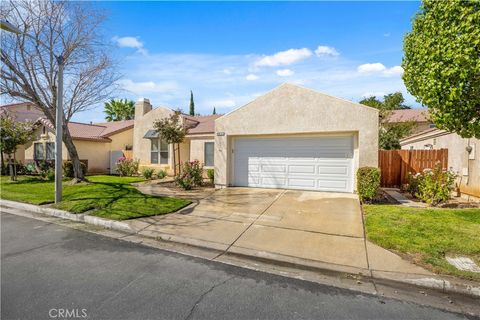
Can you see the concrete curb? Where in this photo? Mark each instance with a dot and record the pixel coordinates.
(444, 284)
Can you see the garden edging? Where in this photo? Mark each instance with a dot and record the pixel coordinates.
(445, 284)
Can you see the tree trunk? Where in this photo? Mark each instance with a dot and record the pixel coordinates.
(3, 163)
(73, 155)
(174, 162)
(10, 167)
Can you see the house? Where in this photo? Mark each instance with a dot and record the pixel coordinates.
(98, 145)
(463, 155)
(154, 153)
(419, 116)
(291, 137)
(21, 112)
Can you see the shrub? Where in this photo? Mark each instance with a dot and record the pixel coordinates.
(190, 175)
(127, 167)
(161, 174)
(49, 175)
(148, 173)
(432, 186)
(211, 175)
(68, 168)
(368, 182)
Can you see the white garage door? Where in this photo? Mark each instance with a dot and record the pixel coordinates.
(317, 163)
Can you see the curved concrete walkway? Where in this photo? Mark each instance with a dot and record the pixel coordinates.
(314, 229)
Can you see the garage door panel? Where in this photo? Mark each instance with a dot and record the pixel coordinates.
(322, 163)
(308, 169)
(324, 170)
(301, 183)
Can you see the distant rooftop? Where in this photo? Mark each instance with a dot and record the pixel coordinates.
(405, 115)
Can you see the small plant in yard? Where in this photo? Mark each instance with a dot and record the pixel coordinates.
(190, 175)
(211, 175)
(432, 186)
(127, 167)
(161, 174)
(368, 183)
(148, 173)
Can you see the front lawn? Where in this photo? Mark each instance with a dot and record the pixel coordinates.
(427, 235)
(109, 197)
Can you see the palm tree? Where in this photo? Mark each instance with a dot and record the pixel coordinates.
(119, 109)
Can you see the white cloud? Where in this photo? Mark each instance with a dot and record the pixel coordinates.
(371, 67)
(130, 42)
(147, 86)
(227, 71)
(397, 70)
(373, 94)
(326, 51)
(285, 72)
(251, 77)
(284, 58)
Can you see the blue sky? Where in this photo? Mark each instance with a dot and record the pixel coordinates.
(229, 53)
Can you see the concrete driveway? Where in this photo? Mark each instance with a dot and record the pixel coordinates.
(311, 228)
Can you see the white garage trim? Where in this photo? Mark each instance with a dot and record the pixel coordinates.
(323, 163)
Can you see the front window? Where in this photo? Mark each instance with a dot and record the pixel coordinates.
(50, 151)
(38, 151)
(159, 151)
(209, 154)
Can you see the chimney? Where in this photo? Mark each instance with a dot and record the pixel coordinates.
(142, 106)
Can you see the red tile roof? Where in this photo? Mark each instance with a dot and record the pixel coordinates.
(404, 115)
(80, 131)
(202, 124)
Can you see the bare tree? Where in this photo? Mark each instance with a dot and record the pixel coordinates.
(29, 69)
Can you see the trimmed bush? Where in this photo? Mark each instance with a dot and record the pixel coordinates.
(368, 183)
(432, 186)
(148, 173)
(161, 174)
(211, 175)
(127, 167)
(68, 168)
(191, 175)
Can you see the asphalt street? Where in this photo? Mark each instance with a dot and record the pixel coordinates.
(50, 271)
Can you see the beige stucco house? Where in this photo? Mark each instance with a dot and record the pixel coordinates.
(463, 155)
(154, 153)
(291, 137)
(99, 145)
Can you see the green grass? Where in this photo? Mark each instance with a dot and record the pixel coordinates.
(427, 235)
(109, 197)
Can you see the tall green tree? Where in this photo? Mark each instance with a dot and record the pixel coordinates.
(389, 134)
(172, 131)
(13, 134)
(214, 111)
(192, 104)
(118, 109)
(442, 63)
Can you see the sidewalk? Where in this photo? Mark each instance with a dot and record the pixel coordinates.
(226, 238)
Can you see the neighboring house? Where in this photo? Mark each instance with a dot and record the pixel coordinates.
(463, 155)
(419, 116)
(21, 112)
(99, 144)
(291, 137)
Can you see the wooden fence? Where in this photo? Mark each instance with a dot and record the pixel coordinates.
(395, 165)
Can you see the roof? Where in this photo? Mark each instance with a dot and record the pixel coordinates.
(405, 115)
(22, 112)
(94, 132)
(201, 124)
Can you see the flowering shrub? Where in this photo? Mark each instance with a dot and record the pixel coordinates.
(432, 186)
(190, 175)
(127, 167)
